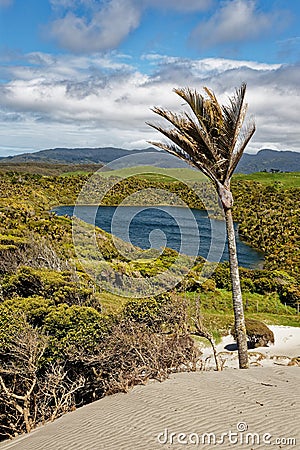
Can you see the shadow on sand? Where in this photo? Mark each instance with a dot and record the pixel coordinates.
(231, 347)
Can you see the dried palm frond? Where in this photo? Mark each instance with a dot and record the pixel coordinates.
(212, 138)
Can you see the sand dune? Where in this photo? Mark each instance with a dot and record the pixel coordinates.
(263, 400)
(257, 406)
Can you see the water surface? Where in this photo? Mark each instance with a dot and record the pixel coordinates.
(185, 230)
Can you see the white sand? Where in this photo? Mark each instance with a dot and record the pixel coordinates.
(285, 348)
(265, 400)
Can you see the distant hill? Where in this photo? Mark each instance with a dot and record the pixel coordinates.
(102, 155)
(264, 160)
(75, 155)
(270, 160)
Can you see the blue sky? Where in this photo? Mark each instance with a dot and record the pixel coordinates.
(86, 72)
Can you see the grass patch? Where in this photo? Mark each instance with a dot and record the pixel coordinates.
(221, 300)
(216, 309)
(157, 174)
(217, 315)
(77, 172)
(112, 304)
(282, 180)
(150, 173)
(274, 319)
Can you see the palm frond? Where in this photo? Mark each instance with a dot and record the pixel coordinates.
(187, 127)
(212, 138)
(234, 115)
(247, 135)
(197, 103)
(177, 120)
(209, 116)
(199, 163)
(199, 133)
(186, 142)
(215, 108)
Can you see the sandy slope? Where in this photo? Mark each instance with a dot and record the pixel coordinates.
(262, 399)
(265, 398)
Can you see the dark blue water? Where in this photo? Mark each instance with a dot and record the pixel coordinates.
(187, 231)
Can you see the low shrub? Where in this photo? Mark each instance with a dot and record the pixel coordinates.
(221, 276)
(74, 355)
(258, 334)
(62, 287)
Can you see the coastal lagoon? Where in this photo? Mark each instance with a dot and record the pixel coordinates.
(185, 230)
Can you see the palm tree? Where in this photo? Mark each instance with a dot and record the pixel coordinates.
(213, 139)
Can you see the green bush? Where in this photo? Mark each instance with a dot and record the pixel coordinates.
(59, 286)
(221, 276)
(10, 323)
(32, 309)
(208, 286)
(75, 328)
(278, 281)
(264, 285)
(258, 334)
(69, 327)
(247, 285)
(261, 282)
(25, 283)
(287, 287)
(149, 312)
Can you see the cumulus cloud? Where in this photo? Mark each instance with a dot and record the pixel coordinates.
(84, 26)
(186, 71)
(236, 21)
(107, 26)
(93, 101)
(97, 25)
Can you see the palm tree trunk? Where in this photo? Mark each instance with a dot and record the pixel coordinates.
(239, 319)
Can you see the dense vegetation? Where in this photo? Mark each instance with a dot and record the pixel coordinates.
(65, 342)
(268, 217)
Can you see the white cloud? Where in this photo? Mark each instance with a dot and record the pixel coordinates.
(108, 25)
(93, 101)
(97, 25)
(205, 67)
(236, 21)
(84, 26)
